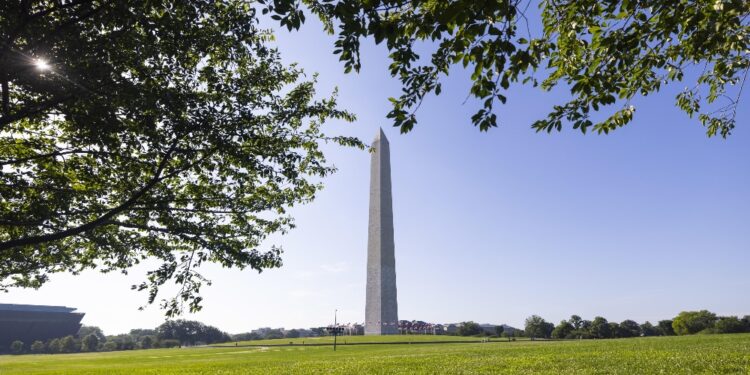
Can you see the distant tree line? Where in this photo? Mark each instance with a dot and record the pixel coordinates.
(471, 328)
(685, 323)
(176, 333)
(268, 335)
(170, 334)
(280, 333)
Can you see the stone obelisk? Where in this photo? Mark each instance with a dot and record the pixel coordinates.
(381, 311)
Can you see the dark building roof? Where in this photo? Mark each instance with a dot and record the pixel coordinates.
(39, 308)
(29, 323)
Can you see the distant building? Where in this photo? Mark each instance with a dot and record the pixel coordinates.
(29, 323)
(489, 328)
(439, 329)
(354, 329)
(419, 327)
(509, 330)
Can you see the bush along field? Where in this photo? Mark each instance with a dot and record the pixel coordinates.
(714, 354)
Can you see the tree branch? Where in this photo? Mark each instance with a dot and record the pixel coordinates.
(6, 99)
(35, 240)
(47, 11)
(68, 152)
(32, 110)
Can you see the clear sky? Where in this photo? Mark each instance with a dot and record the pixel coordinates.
(492, 227)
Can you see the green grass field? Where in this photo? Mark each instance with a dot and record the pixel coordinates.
(709, 354)
(361, 339)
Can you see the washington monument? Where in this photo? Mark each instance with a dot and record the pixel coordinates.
(381, 310)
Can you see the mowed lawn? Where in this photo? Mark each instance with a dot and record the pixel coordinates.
(328, 340)
(709, 354)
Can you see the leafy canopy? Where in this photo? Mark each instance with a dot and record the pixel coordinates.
(537, 327)
(691, 322)
(163, 130)
(604, 52)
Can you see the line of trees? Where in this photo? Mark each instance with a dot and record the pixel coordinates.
(685, 323)
(190, 332)
(471, 328)
(170, 334)
(270, 334)
(280, 333)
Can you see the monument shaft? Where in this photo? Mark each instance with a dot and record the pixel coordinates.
(381, 311)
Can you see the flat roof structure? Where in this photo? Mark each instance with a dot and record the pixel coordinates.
(29, 323)
(39, 308)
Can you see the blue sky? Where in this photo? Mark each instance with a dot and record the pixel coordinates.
(492, 227)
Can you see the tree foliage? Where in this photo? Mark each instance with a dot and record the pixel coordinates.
(54, 346)
(691, 322)
(274, 334)
(189, 332)
(135, 130)
(16, 347)
(92, 330)
(68, 344)
(600, 328)
(665, 328)
(469, 329)
(499, 330)
(629, 328)
(648, 329)
(90, 343)
(122, 341)
(246, 336)
(292, 334)
(576, 321)
(138, 333)
(563, 330)
(146, 342)
(38, 347)
(605, 52)
(687, 322)
(730, 324)
(537, 327)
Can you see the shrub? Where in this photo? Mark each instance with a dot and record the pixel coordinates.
(469, 329)
(729, 324)
(147, 342)
(746, 322)
(537, 327)
(665, 328)
(292, 334)
(648, 329)
(691, 322)
(69, 345)
(123, 341)
(579, 334)
(16, 347)
(563, 330)
(38, 347)
(629, 328)
(54, 346)
(170, 343)
(90, 343)
(600, 328)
